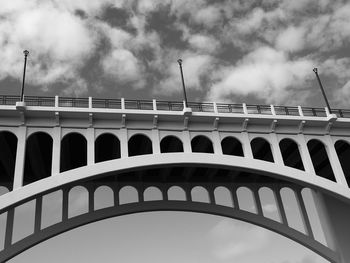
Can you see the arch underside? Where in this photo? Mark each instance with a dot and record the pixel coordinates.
(164, 171)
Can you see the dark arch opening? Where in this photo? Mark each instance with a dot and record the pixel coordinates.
(38, 158)
(107, 147)
(343, 152)
(320, 159)
(232, 146)
(73, 151)
(261, 149)
(8, 150)
(290, 154)
(171, 144)
(139, 144)
(202, 144)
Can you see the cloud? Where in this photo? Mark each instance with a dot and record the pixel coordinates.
(265, 73)
(291, 39)
(122, 64)
(195, 67)
(203, 43)
(232, 239)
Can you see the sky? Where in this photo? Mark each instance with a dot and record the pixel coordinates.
(233, 51)
(253, 51)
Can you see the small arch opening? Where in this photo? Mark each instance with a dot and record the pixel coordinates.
(78, 201)
(291, 207)
(8, 146)
(261, 149)
(246, 199)
(152, 194)
(202, 144)
(343, 151)
(103, 197)
(176, 193)
(232, 146)
(200, 194)
(320, 159)
(171, 144)
(290, 154)
(38, 157)
(73, 151)
(107, 147)
(139, 144)
(128, 194)
(269, 204)
(223, 196)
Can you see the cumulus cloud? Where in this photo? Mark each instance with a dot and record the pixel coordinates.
(232, 239)
(203, 43)
(122, 64)
(291, 39)
(195, 67)
(265, 73)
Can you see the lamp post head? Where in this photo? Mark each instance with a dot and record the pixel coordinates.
(179, 61)
(26, 53)
(315, 70)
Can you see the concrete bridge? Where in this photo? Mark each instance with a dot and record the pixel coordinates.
(222, 159)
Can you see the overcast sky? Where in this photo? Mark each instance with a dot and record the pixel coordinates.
(233, 51)
(236, 51)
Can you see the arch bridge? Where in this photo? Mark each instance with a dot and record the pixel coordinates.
(249, 162)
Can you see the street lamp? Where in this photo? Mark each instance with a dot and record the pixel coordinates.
(183, 81)
(323, 93)
(26, 53)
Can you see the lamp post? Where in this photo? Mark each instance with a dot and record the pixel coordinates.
(183, 81)
(26, 53)
(323, 92)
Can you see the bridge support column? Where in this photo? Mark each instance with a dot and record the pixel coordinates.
(276, 152)
(305, 155)
(56, 151)
(247, 150)
(335, 218)
(335, 163)
(155, 141)
(124, 143)
(90, 146)
(186, 140)
(20, 157)
(216, 142)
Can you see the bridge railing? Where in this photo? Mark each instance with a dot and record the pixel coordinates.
(172, 106)
(106, 103)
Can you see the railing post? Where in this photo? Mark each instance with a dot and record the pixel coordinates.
(215, 107)
(56, 101)
(273, 112)
(122, 101)
(154, 104)
(245, 110)
(300, 110)
(90, 102)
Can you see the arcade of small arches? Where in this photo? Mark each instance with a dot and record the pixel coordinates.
(107, 146)
(277, 205)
